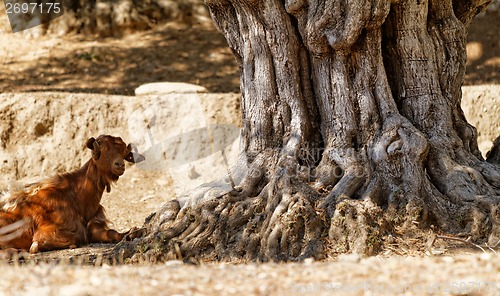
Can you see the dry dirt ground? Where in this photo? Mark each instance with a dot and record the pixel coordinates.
(57, 76)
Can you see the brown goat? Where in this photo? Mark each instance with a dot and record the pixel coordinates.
(65, 211)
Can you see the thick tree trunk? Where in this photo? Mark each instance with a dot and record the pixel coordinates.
(352, 130)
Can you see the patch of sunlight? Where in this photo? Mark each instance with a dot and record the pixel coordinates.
(474, 51)
(494, 61)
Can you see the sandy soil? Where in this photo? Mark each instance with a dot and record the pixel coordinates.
(349, 275)
(42, 71)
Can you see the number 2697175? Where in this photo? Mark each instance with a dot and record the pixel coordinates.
(31, 8)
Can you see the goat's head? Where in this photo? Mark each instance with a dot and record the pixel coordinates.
(109, 154)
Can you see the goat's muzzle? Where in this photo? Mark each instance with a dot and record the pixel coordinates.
(118, 167)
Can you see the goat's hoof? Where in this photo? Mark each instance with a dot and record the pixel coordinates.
(133, 233)
(34, 247)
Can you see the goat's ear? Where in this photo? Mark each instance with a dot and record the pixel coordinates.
(133, 156)
(94, 146)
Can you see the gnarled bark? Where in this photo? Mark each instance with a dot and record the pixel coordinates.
(352, 130)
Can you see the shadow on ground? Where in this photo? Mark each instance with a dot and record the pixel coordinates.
(483, 50)
(198, 55)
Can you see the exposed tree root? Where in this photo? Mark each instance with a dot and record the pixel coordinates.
(286, 219)
(465, 241)
(277, 224)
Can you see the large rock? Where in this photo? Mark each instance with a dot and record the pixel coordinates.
(161, 88)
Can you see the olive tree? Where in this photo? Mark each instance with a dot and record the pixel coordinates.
(352, 129)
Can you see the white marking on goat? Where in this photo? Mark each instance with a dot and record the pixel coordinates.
(7, 201)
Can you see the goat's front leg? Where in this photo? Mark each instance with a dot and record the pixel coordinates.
(98, 229)
(100, 233)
